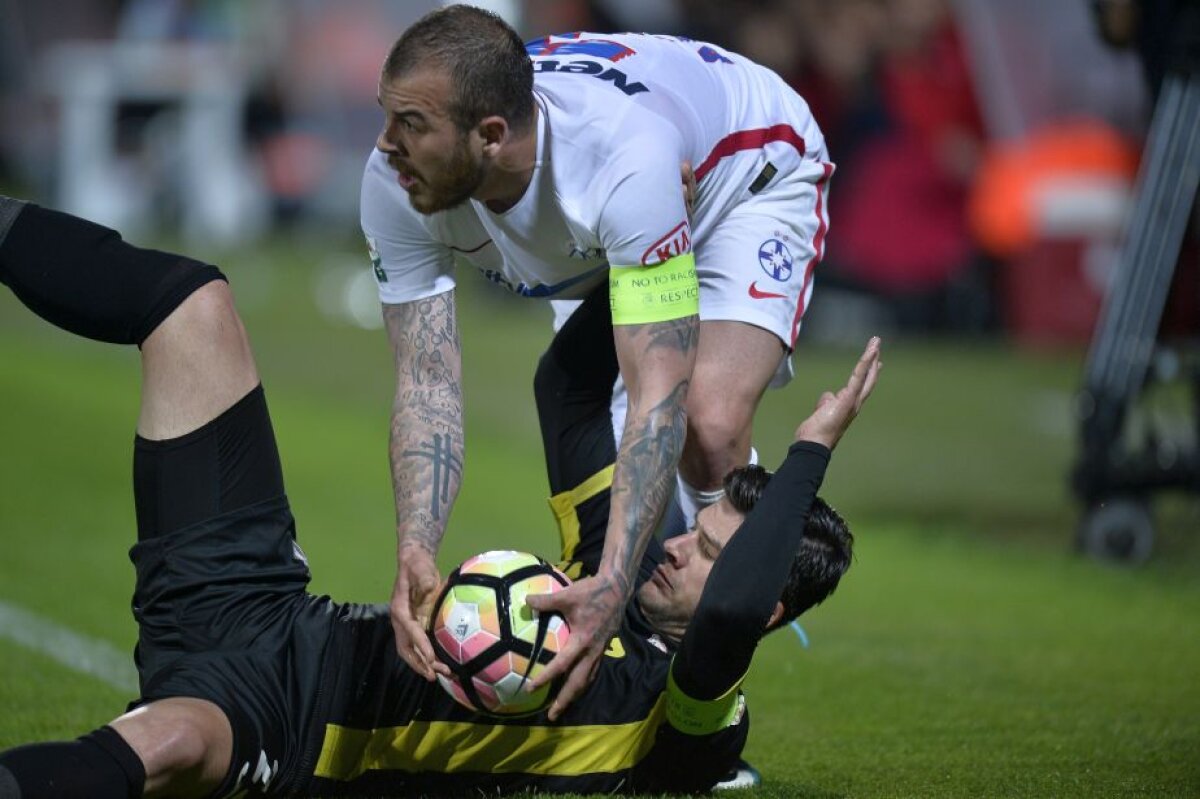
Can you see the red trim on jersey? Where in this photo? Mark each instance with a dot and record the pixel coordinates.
(818, 248)
(749, 140)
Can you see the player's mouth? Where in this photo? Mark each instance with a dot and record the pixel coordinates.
(659, 577)
(404, 176)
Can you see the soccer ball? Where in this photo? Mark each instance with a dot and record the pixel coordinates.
(492, 641)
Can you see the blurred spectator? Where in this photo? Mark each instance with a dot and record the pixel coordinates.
(890, 85)
(1052, 195)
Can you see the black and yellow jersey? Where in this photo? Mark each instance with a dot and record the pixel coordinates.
(388, 732)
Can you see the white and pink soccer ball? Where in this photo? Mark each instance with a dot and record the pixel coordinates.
(492, 641)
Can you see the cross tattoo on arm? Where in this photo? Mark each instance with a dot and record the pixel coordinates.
(445, 464)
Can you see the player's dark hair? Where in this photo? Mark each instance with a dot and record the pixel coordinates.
(825, 550)
(490, 72)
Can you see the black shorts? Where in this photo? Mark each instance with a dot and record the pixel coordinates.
(220, 601)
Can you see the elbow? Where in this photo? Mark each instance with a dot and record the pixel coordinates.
(730, 618)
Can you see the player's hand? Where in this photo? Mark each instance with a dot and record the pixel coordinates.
(688, 178)
(417, 584)
(835, 412)
(592, 607)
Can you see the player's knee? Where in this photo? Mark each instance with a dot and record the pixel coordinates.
(187, 753)
(207, 315)
(187, 748)
(717, 427)
(211, 305)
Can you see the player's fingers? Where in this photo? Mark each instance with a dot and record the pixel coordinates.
(869, 385)
(561, 662)
(418, 643)
(852, 395)
(863, 367)
(580, 678)
(410, 654)
(547, 602)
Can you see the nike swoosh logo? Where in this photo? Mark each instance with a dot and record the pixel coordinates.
(764, 295)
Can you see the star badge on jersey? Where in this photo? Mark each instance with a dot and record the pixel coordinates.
(775, 259)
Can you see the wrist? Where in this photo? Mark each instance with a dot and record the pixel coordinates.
(412, 543)
(613, 581)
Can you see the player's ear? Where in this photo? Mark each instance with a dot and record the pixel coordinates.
(493, 132)
(776, 615)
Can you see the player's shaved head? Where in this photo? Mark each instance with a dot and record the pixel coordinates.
(490, 72)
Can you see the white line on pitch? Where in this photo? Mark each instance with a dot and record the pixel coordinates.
(81, 653)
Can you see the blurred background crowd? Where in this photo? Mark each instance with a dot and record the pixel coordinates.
(985, 150)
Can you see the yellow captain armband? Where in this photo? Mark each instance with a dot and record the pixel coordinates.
(702, 717)
(640, 295)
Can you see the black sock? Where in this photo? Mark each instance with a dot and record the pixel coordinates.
(99, 765)
(83, 278)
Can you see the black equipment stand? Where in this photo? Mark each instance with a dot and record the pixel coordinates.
(1114, 476)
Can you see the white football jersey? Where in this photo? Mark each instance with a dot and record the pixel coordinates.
(618, 114)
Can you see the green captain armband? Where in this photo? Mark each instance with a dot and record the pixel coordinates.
(702, 717)
(640, 295)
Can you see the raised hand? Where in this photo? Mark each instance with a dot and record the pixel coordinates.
(835, 412)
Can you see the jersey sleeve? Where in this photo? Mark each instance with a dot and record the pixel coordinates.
(679, 762)
(644, 229)
(409, 263)
(733, 611)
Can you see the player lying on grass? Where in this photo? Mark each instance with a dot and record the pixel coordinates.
(252, 686)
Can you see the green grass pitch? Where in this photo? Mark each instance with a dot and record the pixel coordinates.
(968, 653)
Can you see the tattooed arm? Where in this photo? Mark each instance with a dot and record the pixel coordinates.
(426, 453)
(656, 362)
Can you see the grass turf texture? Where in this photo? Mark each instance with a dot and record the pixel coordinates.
(967, 653)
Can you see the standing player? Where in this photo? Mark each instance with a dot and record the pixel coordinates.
(250, 686)
(553, 168)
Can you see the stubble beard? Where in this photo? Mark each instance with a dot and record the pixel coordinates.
(459, 181)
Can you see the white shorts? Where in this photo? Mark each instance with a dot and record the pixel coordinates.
(756, 263)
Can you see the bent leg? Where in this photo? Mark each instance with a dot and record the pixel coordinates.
(195, 365)
(84, 278)
(735, 362)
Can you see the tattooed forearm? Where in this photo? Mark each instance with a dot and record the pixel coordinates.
(645, 476)
(679, 335)
(426, 449)
(656, 361)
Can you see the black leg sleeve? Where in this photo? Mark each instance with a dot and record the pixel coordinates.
(100, 765)
(83, 278)
(573, 387)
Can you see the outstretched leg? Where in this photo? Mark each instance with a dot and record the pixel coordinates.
(83, 278)
(197, 366)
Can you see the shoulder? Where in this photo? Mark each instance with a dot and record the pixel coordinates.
(605, 156)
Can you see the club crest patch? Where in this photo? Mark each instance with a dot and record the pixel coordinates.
(376, 260)
(775, 259)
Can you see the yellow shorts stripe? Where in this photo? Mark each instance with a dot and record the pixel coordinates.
(639, 295)
(449, 747)
(563, 506)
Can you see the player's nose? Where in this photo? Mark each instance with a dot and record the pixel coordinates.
(387, 143)
(674, 549)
